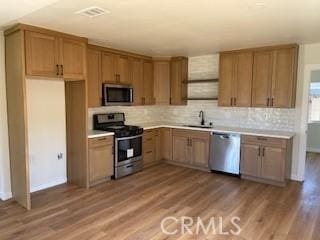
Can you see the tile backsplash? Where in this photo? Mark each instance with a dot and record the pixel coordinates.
(206, 67)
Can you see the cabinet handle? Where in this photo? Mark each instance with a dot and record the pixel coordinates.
(272, 101)
(148, 152)
(268, 101)
(62, 71)
(102, 139)
(262, 138)
(231, 101)
(57, 68)
(259, 153)
(263, 152)
(235, 101)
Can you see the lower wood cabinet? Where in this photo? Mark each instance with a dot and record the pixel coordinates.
(151, 147)
(266, 159)
(101, 157)
(190, 147)
(166, 144)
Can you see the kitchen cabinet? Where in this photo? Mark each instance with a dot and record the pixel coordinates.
(235, 81)
(266, 159)
(166, 143)
(148, 96)
(54, 56)
(260, 77)
(190, 147)
(115, 68)
(94, 78)
(73, 59)
(108, 64)
(136, 70)
(178, 78)
(274, 77)
(100, 159)
(42, 55)
(150, 154)
(162, 82)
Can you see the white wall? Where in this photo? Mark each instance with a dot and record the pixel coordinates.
(46, 133)
(5, 186)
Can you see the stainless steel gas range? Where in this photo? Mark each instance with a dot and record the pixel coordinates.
(127, 142)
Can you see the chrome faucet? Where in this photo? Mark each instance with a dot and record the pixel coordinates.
(201, 115)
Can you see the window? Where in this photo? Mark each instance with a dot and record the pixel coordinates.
(314, 102)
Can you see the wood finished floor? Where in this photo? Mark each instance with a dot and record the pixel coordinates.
(132, 208)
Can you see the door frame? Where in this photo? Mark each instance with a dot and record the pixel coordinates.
(308, 69)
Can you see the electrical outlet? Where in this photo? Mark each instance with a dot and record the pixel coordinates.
(60, 156)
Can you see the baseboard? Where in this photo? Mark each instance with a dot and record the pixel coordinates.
(49, 184)
(313, 150)
(5, 195)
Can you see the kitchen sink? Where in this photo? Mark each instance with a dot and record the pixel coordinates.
(199, 126)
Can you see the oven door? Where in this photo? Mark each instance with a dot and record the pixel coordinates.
(128, 150)
(117, 94)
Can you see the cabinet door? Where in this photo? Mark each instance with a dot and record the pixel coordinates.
(273, 164)
(200, 151)
(181, 150)
(284, 78)
(42, 55)
(94, 78)
(262, 75)
(178, 78)
(243, 79)
(73, 59)
(149, 154)
(157, 144)
(166, 143)
(108, 65)
(162, 82)
(101, 162)
(250, 160)
(122, 66)
(226, 80)
(148, 97)
(136, 71)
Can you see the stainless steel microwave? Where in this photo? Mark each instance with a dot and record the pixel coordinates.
(114, 94)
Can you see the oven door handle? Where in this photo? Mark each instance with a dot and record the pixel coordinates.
(128, 138)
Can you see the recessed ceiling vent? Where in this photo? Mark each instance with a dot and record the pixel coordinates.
(92, 11)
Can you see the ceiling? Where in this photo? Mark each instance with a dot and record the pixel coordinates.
(11, 10)
(184, 27)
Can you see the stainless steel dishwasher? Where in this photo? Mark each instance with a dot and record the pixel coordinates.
(225, 153)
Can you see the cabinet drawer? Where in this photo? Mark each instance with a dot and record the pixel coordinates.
(191, 134)
(265, 141)
(100, 141)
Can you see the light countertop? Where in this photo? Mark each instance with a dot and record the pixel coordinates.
(96, 133)
(222, 129)
(217, 129)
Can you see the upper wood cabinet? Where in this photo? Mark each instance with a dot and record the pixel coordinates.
(262, 77)
(122, 65)
(178, 78)
(73, 59)
(148, 97)
(274, 77)
(115, 68)
(108, 66)
(235, 81)
(53, 56)
(42, 55)
(161, 70)
(94, 78)
(136, 71)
